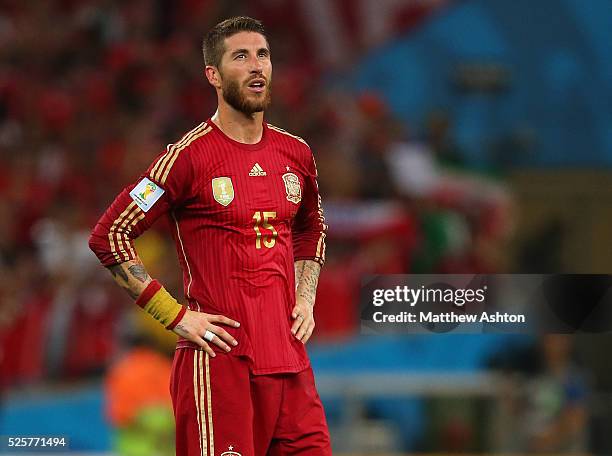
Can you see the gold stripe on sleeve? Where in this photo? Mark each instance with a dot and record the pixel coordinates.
(124, 228)
(321, 247)
(118, 220)
(163, 159)
(321, 244)
(285, 132)
(185, 140)
(175, 153)
(129, 229)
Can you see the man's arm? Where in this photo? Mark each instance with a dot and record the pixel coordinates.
(308, 234)
(167, 184)
(306, 279)
(134, 279)
(131, 276)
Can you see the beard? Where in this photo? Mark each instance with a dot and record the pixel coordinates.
(234, 96)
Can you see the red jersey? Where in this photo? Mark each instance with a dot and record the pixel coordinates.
(241, 215)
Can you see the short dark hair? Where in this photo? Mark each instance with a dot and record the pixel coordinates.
(213, 45)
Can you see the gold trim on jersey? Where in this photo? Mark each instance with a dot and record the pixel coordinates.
(178, 235)
(171, 152)
(126, 228)
(320, 252)
(175, 153)
(285, 132)
(321, 244)
(118, 234)
(203, 405)
(163, 159)
(197, 399)
(209, 400)
(114, 226)
(115, 233)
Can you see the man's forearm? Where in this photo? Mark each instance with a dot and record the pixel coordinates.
(148, 293)
(198, 327)
(131, 276)
(306, 280)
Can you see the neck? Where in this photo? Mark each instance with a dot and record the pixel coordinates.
(247, 129)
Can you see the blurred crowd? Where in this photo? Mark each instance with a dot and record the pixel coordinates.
(92, 90)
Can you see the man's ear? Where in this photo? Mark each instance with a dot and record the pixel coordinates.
(213, 76)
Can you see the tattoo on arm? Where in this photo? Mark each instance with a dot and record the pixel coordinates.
(307, 279)
(299, 270)
(118, 272)
(138, 271)
(131, 276)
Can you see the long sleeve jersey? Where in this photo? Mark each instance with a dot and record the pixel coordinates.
(241, 214)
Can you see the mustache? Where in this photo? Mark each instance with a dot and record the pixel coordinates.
(254, 78)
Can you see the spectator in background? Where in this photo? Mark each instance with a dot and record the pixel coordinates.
(380, 134)
(555, 417)
(547, 400)
(138, 404)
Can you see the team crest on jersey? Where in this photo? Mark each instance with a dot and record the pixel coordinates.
(223, 190)
(292, 186)
(231, 452)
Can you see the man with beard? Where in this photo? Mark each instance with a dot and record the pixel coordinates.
(245, 211)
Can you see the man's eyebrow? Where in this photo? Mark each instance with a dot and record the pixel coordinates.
(246, 51)
(240, 51)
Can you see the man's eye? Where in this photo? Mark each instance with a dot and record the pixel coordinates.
(240, 56)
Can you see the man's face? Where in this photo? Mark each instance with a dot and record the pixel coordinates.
(246, 72)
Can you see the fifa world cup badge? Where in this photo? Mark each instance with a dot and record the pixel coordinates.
(149, 190)
(292, 187)
(223, 190)
(146, 193)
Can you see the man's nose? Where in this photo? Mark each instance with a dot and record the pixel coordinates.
(256, 66)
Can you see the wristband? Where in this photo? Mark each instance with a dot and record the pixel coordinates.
(160, 304)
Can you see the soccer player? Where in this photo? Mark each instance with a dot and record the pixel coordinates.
(243, 201)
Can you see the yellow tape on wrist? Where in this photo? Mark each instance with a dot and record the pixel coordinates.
(160, 304)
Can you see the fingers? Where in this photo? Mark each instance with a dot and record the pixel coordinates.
(223, 320)
(305, 330)
(222, 335)
(308, 333)
(195, 338)
(207, 348)
(298, 315)
(211, 337)
(303, 326)
(199, 330)
(202, 343)
(296, 324)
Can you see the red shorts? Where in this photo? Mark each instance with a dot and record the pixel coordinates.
(221, 409)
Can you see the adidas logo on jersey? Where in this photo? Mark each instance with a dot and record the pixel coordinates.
(257, 170)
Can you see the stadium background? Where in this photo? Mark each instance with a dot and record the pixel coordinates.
(452, 136)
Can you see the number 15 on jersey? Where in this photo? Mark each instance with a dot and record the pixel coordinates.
(262, 222)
